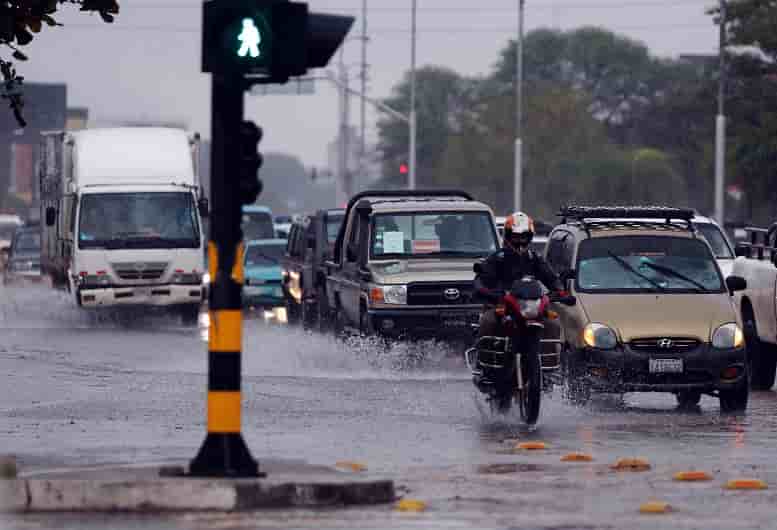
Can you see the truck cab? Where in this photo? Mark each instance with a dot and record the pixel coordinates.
(403, 264)
(121, 215)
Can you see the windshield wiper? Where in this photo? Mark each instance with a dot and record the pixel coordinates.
(671, 272)
(625, 265)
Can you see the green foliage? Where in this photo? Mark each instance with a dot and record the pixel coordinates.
(20, 20)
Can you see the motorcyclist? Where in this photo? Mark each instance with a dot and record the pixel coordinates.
(497, 273)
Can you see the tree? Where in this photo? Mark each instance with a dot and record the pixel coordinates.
(442, 96)
(19, 21)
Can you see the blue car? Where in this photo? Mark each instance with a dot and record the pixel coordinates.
(263, 278)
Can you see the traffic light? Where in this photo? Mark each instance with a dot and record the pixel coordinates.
(403, 169)
(273, 39)
(249, 184)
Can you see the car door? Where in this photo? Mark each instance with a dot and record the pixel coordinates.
(351, 287)
(308, 249)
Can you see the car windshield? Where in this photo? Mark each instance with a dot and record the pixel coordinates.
(647, 264)
(138, 220)
(7, 230)
(27, 242)
(258, 255)
(258, 225)
(333, 222)
(468, 234)
(716, 239)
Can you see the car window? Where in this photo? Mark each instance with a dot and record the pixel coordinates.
(646, 264)
(716, 239)
(559, 255)
(257, 255)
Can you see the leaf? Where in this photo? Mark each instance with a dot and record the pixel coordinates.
(23, 36)
(19, 56)
(34, 24)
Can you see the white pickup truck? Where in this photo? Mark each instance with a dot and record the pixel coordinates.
(757, 263)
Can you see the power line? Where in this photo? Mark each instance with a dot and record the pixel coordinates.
(450, 9)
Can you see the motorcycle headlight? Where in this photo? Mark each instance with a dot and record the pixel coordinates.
(530, 308)
(728, 336)
(389, 294)
(599, 336)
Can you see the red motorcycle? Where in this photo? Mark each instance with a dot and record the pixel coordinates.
(510, 368)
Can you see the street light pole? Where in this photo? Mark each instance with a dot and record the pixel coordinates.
(518, 174)
(363, 108)
(720, 123)
(411, 183)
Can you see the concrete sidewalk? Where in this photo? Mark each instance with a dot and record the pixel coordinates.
(141, 489)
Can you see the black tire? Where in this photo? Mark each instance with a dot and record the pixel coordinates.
(688, 399)
(531, 395)
(338, 322)
(309, 315)
(323, 317)
(190, 314)
(292, 312)
(735, 400)
(761, 357)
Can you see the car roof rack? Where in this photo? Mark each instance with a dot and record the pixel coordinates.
(657, 217)
(392, 194)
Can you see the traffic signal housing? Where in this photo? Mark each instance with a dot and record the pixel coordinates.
(270, 39)
(249, 185)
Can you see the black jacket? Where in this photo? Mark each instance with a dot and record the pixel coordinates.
(496, 273)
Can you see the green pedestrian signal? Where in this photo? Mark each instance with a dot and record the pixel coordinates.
(249, 38)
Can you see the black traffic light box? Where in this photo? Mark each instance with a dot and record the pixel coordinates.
(273, 39)
(249, 185)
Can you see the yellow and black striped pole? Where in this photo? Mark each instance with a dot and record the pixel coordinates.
(224, 452)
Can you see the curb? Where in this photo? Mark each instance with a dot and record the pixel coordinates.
(176, 494)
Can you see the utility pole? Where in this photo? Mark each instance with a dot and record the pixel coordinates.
(363, 109)
(720, 123)
(344, 189)
(411, 183)
(518, 174)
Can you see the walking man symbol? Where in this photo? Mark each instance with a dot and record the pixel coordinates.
(249, 38)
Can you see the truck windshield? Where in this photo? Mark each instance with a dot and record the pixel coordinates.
(258, 225)
(138, 220)
(646, 264)
(467, 234)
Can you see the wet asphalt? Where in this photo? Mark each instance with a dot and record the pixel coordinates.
(79, 391)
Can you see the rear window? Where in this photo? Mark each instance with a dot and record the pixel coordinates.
(264, 254)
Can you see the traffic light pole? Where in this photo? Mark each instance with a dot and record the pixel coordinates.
(224, 452)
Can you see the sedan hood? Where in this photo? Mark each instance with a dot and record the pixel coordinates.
(659, 315)
(422, 270)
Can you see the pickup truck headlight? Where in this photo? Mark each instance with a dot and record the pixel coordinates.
(728, 336)
(388, 294)
(599, 336)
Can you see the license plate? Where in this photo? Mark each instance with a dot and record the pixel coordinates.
(457, 320)
(666, 366)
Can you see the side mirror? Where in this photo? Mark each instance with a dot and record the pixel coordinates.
(51, 216)
(741, 250)
(736, 283)
(311, 243)
(351, 252)
(478, 267)
(204, 207)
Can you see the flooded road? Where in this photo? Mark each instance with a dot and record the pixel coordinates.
(80, 392)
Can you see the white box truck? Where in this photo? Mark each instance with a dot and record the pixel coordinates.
(121, 217)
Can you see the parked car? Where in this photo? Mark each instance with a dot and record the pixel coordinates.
(8, 225)
(757, 305)
(310, 244)
(24, 256)
(282, 226)
(653, 312)
(262, 271)
(403, 261)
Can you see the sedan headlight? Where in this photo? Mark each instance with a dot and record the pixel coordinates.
(599, 336)
(728, 336)
(388, 294)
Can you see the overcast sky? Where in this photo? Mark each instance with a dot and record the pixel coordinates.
(147, 64)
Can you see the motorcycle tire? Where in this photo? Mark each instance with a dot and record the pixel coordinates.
(531, 395)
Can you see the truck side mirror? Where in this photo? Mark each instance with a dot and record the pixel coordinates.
(741, 250)
(51, 216)
(736, 283)
(203, 206)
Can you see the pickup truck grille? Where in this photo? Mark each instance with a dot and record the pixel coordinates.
(140, 270)
(440, 293)
(665, 344)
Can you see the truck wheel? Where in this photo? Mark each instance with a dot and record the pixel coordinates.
(292, 313)
(190, 314)
(688, 399)
(734, 400)
(761, 357)
(322, 310)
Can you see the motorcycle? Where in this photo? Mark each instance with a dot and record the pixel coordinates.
(509, 369)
